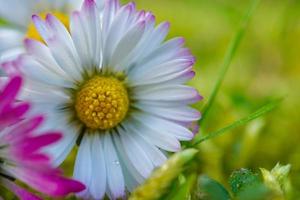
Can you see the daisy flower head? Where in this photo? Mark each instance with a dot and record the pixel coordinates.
(16, 15)
(21, 146)
(113, 84)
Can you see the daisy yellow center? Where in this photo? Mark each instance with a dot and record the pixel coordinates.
(102, 103)
(33, 33)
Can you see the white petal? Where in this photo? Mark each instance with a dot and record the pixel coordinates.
(55, 96)
(85, 30)
(127, 44)
(61, 45)
(80, 38)
(154, 40)
(11, 44)
(98, 184)
(181, 114)
(63, 148)
(157, 37)
(10, 38)
(158, 138)
(43, 55)
(100, 5)
(33, 69)
(53, 119)
(115, 179)
(11, 54)
(83, 164)
(156, 156)
(170, 93)
(160, 73)
(166, 126)
(115, 33)
(130, 182)
(110, 9)
(22, 11)
(126, 161)
(142, 46)
(164, 53)
(93, 30)
(136, 154)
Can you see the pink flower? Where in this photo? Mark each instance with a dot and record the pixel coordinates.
(21, 150)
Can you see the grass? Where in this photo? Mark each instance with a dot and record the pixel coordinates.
(232, 49)
(267, 65)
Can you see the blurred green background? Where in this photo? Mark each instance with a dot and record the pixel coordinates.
(265, 67)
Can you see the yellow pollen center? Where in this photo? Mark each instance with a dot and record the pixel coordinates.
(102, 103)
(33, 33)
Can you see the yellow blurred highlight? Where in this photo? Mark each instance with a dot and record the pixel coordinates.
(33, 33)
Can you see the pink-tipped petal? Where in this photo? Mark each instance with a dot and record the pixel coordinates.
(23, 129)
(10, 92)
(88, 4)
(22, 147)
(52, 184)
(33, 144)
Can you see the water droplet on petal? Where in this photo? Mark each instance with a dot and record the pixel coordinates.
(116, 162)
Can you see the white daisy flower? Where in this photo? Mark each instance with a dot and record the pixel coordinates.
(17, 17)
(115, 85)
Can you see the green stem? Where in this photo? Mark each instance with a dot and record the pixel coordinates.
(260, 112)
(229, 57)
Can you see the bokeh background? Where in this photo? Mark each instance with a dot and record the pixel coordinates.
(266, 66)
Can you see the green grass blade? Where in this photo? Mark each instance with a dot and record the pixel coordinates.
(232, 49)
(260, 112)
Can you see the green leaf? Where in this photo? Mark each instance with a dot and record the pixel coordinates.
(241, 179)
(209, 189)
(182, 191)
(247, 185)
(232, 49)
(260, 112)
(254, 192)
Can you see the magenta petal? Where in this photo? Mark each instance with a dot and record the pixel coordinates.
(35, 158)
(20, 110)
(10, 92)
(32, 144)
(10, 115)
(23, 129)
(65, 186)
(24, 148)
(50, 183)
